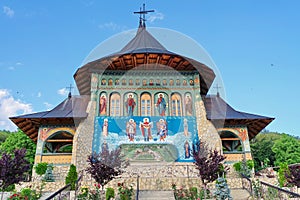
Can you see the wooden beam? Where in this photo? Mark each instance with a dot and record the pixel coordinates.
(60, 140)
(230, 139)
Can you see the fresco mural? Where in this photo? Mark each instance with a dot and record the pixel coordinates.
(162, 138)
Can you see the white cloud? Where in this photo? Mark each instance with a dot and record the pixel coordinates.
(62, 92)
(9, 107)
(112, 26)
(8, 11)
(39, 94)
(48, 105)
(156, 16)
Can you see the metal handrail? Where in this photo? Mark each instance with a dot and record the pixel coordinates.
(137, 187)
(58, 191)
(250, 183)
(280, 189)
(64, 188)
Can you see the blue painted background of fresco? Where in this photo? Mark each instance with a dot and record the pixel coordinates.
(117, 135)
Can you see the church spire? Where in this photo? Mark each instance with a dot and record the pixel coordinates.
(142, 14)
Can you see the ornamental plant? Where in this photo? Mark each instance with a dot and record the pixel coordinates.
(13, 168)
(244, 167)
(110, 193)
(40, 168)
(222, 191)
(72, 177)
(209, 163)
(126, 193)
(103, 167)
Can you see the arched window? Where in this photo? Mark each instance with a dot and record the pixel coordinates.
(176, 105)
(145, 104)
(230, 141)
(60, 142)
(115, 108)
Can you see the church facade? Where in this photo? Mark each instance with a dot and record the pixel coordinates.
(149, 101)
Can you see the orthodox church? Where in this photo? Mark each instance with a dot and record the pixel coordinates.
(149, 101)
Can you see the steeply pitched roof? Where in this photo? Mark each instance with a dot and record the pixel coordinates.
(143, 50)
(66, 113)
(143, 42)
(220, 113)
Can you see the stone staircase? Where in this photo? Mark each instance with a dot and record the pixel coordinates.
(155, 195)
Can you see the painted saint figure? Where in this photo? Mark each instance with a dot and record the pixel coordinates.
(161, 105)
(188, 105)
(187, 149)
(185, 128)
(162, 130)
(102, 105)
(104, 146)
(130, 104)
(145, 127)
(131, 129)
(105, 128)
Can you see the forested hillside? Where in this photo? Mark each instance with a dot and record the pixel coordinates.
(271, 149)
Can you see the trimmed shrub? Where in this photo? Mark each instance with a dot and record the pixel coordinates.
(72, 176)
(110, 193)
(41, 168)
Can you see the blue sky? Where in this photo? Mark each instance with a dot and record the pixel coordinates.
(254, 44)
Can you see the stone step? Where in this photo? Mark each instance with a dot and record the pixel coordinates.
(155, 195)
(239, 194)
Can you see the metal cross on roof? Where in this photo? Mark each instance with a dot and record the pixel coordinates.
(142, 14)
(217, 87)
(70, 90)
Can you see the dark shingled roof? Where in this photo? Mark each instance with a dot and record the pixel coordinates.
(143, 51)
(66, 113)
(220, 113)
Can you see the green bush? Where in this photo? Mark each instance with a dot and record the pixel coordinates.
(237, 166)
(283, 169)
(72, 176)
(110, 193)
(244, 167)
(41, 168)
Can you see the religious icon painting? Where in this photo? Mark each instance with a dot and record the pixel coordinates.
(103, 81)
(110, 82)
(187, 150)
(117, 82)
(162, 129)
(161, 104)
(105, 128)
(145, 127)
(188, 102)
(191, 82)
(137, 82)
(130, 82)
(185, 127)
(130, 104)
(131, 129)
(102, 103)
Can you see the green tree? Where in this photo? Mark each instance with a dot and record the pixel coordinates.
(261, 149)
(72, 177)
(19, 140)
(3, 135)
(287, 150)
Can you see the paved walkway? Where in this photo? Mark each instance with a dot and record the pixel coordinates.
(239, 194)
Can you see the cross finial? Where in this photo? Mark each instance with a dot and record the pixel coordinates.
(217, 87)
(70, 90)
(142, 14)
